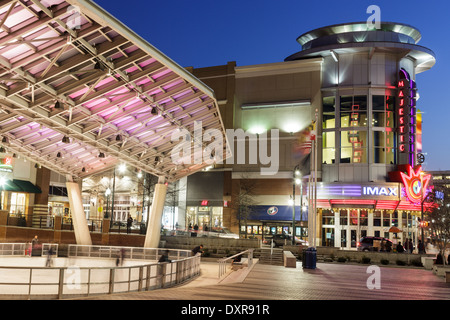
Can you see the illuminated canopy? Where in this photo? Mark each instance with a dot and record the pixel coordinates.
(79, 92)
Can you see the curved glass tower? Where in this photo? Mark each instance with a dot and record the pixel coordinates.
(367, 129)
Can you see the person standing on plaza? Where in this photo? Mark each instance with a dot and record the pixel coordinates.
(421, 247)
(400, 248)
(410, 246)
(388, 246)
(34, 244)
(129, 223)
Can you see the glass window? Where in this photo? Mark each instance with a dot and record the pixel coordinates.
(386, 219)
(353, 146)
(18, 201)
(353, 111)
(354, 217)
(363, 218)
(328, 237)
(379, 151)
(377, 219)
(395, 219)
(390, 149)
(329, 113)
(327, 217)
(378, 111)
(343, 238)
(390, 112)
(328, 151)
(343, 217)
(353, 238)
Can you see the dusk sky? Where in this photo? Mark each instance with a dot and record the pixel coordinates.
(202, 33)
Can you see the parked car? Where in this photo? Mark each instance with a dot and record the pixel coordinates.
(367, 243)
(220, 233)
(283, 239)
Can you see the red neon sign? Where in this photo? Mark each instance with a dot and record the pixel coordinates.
(413, 182)
(7, 161)
(204, 202)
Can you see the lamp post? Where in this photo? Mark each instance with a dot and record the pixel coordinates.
(296, 180)
(107, 194)
(2, 183)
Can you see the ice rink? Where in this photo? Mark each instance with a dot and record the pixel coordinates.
(17, 273)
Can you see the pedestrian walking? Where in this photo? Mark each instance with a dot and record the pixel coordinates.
(49, 257)
(421, 247)
(120, 257)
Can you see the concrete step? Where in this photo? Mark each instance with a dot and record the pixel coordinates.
(267, 256)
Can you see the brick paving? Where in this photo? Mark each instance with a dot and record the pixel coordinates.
(329, 281)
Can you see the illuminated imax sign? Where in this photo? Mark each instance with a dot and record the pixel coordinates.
(346, 191)
(379, 191)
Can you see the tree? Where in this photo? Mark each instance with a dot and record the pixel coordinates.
(439, 218)
(244, 201)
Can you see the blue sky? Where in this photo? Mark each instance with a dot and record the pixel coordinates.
(202, 33)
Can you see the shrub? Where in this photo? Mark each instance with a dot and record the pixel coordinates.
(341, 259)
(384, 261)
(400, 263)
(365, 260)
(416, 263)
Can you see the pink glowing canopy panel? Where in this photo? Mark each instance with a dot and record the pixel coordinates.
(79, 91)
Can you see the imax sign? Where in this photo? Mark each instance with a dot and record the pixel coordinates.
(379, 191)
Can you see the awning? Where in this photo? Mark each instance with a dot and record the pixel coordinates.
(81, 92)
(21, 186)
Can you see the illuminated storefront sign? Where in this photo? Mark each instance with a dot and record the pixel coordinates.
(352, 191)
(6, 164)
(406, 116)
(380, 191)
(415, 183)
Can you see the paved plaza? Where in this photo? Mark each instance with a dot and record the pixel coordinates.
(329, 281)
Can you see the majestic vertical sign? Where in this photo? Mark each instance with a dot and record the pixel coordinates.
(406, 118)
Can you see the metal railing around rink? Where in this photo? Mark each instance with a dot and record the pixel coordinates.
(72, 281)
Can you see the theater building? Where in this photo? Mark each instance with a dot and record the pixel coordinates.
(359, 86)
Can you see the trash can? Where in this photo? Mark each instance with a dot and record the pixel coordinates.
(309, 258)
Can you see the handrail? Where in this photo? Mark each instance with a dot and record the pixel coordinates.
(71, 281)
(223, 262)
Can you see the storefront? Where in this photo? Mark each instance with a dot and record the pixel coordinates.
(206, 217)
(348, 211)
(273, 219)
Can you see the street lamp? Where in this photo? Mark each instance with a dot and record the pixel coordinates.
(107, 194)
(297, 180)
(2, 183)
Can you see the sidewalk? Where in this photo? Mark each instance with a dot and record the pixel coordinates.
(329, 281)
